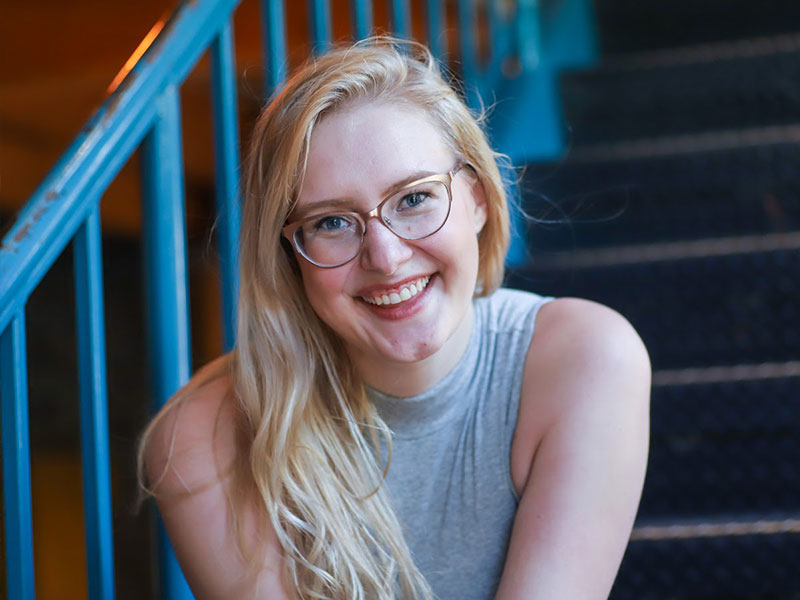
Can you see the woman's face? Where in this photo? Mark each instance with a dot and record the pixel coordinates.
(355, 156)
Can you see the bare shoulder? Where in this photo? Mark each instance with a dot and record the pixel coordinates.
(193, 439)
(585, 363)
(579, 452)
(223, 542)
(572, 333)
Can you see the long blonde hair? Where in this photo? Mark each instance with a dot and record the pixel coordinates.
(311, 436)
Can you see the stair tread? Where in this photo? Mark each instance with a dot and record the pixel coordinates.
(612, 201)
(629, 26)
(698, 312)
(741, 91)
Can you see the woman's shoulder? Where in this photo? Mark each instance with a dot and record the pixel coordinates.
(577, 333)
(225, 546)
(583, 343)
(586, 363)
(192, 442)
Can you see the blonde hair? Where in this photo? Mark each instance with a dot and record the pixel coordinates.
(310, 434)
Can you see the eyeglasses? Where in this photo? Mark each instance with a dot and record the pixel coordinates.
(414, 212)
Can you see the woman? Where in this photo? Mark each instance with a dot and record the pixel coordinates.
(388, 425)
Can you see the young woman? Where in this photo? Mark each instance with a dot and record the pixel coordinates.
(388, 425)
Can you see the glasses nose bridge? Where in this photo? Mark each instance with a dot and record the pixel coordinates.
(374, 213)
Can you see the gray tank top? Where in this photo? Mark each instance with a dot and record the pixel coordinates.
(450, 477)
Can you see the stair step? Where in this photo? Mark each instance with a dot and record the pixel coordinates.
(692, 311)
(611, 202)
(724, 473)
(737, 560)
(728, 446)
(763, 406)
(704, 52)
(619, 101)
(628, 26)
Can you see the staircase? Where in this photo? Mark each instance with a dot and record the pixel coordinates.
(679, 206)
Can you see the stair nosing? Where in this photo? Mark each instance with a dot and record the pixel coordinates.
(712, 530)
(702, 53)
(665, 251)
(688, 143)
(725, 374)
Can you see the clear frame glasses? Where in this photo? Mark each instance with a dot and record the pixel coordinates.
(413, 212)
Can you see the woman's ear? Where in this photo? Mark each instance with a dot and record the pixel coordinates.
(479, 203)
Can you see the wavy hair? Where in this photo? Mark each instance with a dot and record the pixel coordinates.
(310, 435)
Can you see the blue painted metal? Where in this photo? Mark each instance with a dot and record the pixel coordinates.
(16, 460)
(226, 155)
(164, 226)
(469, 53)
(437, 35)
(361, 15)
(529, 34)
(401, 18)
(494, 21)
(528, 52)
(273, 35)
(67, 195)
(94, 408)
(569, 35)
(320, 11)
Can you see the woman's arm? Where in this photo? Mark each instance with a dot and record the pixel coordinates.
(189, 462)
(579, 453)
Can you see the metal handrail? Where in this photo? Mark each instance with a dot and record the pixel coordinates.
(143, 110)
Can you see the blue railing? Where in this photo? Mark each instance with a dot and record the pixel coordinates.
(532, 43)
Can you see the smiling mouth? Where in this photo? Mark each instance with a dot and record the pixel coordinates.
(406, 292)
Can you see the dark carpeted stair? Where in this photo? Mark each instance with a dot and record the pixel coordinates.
(717, 89)
(679, 206)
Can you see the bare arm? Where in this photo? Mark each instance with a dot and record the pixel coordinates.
(189, 463)
(579, 453)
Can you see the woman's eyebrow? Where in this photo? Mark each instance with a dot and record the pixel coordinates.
(347, 203)
(406, 180)
(319, 206)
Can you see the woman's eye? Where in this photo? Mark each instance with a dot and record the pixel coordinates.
(413, 200)
(332, 223)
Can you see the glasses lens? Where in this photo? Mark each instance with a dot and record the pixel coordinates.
(330, 240)
(418, 211)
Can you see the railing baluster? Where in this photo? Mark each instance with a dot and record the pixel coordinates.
(320, 24)
(361, 13)
(401, 18)
(167, 280)
(16, 460)
(469, 62)
(226, 155)
(529, 34)
(273, 33)
(94, 407)
(497, 36)
(437, 37)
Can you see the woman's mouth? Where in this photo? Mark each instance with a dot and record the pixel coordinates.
(406, 292)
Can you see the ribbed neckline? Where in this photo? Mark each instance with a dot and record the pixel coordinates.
(416, 416)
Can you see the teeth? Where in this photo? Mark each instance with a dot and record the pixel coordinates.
(406, 293)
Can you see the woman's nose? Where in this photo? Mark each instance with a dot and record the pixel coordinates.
(382, 250)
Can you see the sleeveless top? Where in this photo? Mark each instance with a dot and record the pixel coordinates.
(450, 477)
